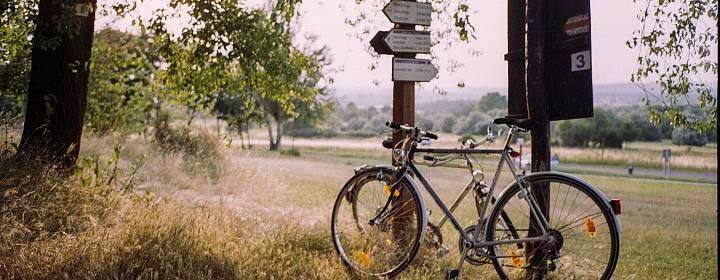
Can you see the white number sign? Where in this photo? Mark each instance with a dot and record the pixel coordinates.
(580, 61)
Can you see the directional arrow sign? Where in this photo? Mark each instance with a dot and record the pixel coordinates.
(408, 41)
(413, 70)
(401, 41)
(409, 12)
(378, 43)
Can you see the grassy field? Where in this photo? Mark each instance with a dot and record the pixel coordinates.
(669, 228)
(267, 214)
(638, 154)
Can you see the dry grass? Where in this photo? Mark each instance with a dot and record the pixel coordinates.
(644, 154)
(267, 217)
(53, 228)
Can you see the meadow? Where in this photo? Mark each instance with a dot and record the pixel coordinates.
(255, 214)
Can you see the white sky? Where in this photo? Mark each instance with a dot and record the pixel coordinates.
(613, 22)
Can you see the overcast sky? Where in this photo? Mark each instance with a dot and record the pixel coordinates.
(613, 22)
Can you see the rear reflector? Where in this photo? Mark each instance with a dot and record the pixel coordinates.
(615, 204)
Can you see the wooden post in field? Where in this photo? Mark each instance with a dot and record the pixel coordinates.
(537, 110)
(403, 113)
(405, 42)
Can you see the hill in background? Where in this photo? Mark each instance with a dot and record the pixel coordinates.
(605, 95)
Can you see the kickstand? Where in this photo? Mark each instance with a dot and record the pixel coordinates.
(454, 273)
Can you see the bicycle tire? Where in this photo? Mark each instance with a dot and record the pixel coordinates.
(599, 236)
(378, 260)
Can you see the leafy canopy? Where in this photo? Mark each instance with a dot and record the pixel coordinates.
(675, 45)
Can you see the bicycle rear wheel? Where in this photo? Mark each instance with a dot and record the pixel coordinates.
(583, 240)
(383, 248)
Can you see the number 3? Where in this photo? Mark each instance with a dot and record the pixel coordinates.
(579, 61)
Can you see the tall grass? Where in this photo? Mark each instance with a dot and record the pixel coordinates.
(85, 227)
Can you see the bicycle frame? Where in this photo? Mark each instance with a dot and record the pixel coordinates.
(504, 158)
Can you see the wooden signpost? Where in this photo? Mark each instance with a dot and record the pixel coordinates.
(404, 42)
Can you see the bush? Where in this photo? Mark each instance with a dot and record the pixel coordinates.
(475, 123)
(312, 132)
(426, 124)
(447, 124)
(293, 152)
(688, 137)
(376, 124)
(603, 130)
(201, 151)
(492, 100)
(361, 134)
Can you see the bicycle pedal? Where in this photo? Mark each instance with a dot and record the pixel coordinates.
(452, 273)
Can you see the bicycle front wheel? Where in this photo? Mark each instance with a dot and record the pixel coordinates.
(582, 241)
(384, 246)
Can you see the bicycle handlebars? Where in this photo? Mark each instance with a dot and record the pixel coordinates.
(410, 129)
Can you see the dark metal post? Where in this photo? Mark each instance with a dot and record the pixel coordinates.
(517, 104)
(537, 110)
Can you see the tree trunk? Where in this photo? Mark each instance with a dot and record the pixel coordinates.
(57, 95)
(240, 133)
(278, 137)
(268, 123)
(247, 132)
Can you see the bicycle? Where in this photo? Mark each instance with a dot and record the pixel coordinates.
(379, 219)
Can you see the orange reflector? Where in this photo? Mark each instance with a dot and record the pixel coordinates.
(387, 191)
(363, 257)
(517, 262)
(590, 226)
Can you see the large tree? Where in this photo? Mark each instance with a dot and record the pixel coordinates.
(57, 93)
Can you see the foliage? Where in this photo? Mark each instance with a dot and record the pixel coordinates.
(426, 123)
(474, 123)
(451, 25)
(492, 100)
(16, 29)
(200, 151)
(121, 93)
(311, 113)
(447, 124)
(606, 129)
(688, 137)
(293, 152)
(38, 203)
(676, 43)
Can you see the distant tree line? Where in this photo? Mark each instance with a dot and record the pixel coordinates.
(609, 128)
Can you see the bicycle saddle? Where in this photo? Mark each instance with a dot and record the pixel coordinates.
(521, 123)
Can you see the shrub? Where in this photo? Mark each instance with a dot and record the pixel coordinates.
(426, 124)
(447, 124)
(294, 152)
(688, 137)
(201, 151)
